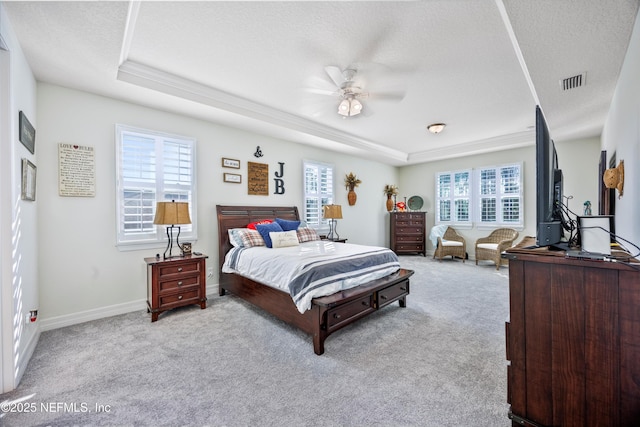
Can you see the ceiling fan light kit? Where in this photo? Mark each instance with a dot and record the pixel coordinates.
(436, 128)
(349, 106)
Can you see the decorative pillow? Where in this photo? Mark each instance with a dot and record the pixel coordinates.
(245, 238)
(234, 237)
(252, 225)
(282, 239)
(288, 225)
(307, 234)
(265, 229)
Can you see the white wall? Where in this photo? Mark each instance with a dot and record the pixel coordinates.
(82, 273)
(621, 135)
(18, 223)
(577, 158)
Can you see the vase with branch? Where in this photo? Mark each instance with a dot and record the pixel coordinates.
(350, 183)
(390, 191)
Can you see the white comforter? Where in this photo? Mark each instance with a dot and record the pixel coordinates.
(312, 269)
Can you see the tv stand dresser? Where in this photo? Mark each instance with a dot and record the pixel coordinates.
(572, 341)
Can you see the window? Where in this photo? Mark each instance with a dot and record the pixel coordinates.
(318, 192)
(152, 167)
(453, 194)
(500, 195)
(488, 196)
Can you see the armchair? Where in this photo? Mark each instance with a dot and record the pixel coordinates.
(491, 247)
(451, 244)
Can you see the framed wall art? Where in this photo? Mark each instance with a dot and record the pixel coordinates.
(230, 163)
(26, 133)
(233, 178)
(28, 180)
(258, 179)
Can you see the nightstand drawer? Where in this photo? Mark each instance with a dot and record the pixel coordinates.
(179, 268)
(392, 293)
(180, 283)
(180, 298)
(349, 311)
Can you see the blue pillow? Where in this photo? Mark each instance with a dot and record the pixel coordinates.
(265, 229)
(288, 225)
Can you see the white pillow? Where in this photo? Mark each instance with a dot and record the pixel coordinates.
(282, 239)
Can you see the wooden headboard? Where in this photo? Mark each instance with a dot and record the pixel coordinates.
(239, 216)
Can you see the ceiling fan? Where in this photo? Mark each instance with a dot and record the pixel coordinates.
(349, 88)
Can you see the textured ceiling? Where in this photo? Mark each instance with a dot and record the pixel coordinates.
(480, 66)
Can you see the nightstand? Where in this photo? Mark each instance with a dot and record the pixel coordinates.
(338, 240)
(175, 282)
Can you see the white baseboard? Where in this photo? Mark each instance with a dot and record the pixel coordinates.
(88, 315)
(47, 324)
(28, 352)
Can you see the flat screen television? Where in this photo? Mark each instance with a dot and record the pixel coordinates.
(548, 187)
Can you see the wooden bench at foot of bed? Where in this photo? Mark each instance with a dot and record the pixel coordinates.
(327, 314)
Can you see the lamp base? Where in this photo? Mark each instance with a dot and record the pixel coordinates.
(333, 234)
(170, 242)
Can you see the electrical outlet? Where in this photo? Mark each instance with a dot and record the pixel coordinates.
(210, 272)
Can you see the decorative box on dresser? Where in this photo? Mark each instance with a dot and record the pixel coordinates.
(408, 233)
(572, 341)
(175, 282)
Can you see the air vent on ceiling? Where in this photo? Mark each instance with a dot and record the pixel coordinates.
(574, 82)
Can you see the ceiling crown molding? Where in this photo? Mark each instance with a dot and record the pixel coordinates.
(161, 81)
(489, 145)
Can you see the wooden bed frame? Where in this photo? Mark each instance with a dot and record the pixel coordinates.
(327, 314)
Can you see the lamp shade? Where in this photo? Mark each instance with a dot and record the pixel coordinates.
(170, 213)
(332, 211)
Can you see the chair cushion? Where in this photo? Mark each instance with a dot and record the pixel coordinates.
(492, 246)
(453, 243)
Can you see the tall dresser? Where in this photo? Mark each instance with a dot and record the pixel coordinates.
(408, 233)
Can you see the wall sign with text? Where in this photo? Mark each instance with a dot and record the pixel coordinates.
(76, 171)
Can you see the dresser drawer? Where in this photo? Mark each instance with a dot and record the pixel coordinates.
(348, 311)
(409, 247)
(180, 298)
(392, 293)
(410, 238)
(178, 283)
(409, 230)
(178, 268)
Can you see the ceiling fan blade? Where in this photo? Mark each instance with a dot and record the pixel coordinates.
(320, 86)
(335, 74)
(322, 91)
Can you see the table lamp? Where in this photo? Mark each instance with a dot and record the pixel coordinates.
(170, 214)
(332, 212)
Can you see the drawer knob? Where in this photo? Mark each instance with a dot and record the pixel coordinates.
(336, 316)
(365, 303)
(403, 289)
(179, 268)
(180, 283)
(383, 296)
(179, 296)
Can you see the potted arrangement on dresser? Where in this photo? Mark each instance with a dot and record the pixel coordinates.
(390, 190)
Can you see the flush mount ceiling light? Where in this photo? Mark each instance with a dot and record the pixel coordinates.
(349, 106)
(436, 128)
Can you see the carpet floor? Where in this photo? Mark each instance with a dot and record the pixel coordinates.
(438, 362)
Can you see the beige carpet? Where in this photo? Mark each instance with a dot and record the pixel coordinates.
(438, 362)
